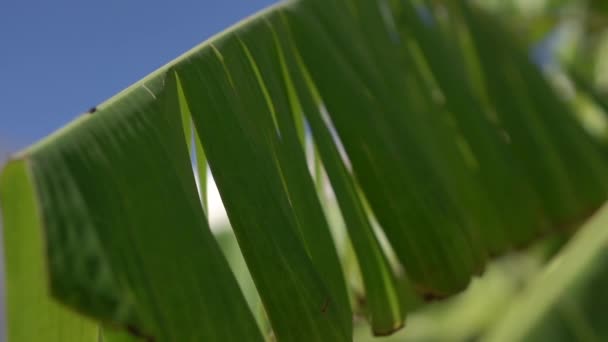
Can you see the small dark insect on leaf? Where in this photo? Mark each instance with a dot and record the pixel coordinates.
(92, 110)
(133, 330)
(325, 305)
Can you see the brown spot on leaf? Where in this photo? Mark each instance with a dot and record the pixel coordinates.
(430, 295)
(388, 332)
(133, 330)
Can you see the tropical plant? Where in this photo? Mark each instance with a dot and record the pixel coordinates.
(443, 144)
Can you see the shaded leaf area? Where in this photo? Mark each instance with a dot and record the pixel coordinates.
(428, 119)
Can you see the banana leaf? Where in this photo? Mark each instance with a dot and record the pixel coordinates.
(431, 123)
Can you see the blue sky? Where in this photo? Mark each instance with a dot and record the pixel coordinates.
(59, 58)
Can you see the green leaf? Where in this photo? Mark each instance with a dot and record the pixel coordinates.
(587, 87)
(119, 249)
(554, 148)
(458, 144)
(506, 210)
(244, 144)
(31, 312)
(567, 300)
(385, 297)
(387, 154)
(601, 7)
(199, 153)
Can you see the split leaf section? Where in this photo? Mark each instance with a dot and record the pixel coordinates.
(459, 145)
